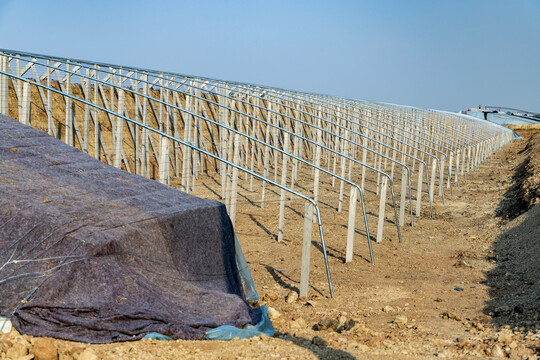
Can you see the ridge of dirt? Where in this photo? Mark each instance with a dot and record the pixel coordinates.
(525, 192)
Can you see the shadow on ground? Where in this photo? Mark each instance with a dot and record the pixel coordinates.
(322, 350)
(515, 281)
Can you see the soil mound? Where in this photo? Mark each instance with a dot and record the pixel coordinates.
(525, 192)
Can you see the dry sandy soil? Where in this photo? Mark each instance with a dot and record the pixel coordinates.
(463, 284)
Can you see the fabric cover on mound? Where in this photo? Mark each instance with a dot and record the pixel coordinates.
(95, 254)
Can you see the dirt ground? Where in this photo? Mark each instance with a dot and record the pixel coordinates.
(464, 284)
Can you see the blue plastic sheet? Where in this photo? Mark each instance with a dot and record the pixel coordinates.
(228, 332)
(156, 336)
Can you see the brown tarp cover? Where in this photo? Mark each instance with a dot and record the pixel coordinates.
(91, 253)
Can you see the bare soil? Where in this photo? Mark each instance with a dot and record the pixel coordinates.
(463, 284)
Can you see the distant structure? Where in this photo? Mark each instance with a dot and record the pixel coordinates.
(504, 115)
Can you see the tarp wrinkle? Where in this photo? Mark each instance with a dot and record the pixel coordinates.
(114, 256)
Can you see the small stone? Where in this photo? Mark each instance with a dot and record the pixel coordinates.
(462, 263)
(504, 338)
(349, 324)
(387, 308)
(318, 341)
(501, 311)
(301, 322)
(270, 297)
(496, 351)
(291, 297)
(75, 351)
(450, 315)
(5, 344)
(360, 328)
(272, 313)
(400, 321)
(88, 354)
(326, 324)
(513, 345)
(44, 349)
(19, 349)
(297, 324)
(439, 299)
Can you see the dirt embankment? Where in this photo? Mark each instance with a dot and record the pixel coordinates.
(515, 282)
(525, 191)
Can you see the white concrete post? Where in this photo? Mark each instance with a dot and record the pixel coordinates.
(24, 116)
(382, 207)
(4, 89)
(352, 223)
(419, 189)
(306, 249)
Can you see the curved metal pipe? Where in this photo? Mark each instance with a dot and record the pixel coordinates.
(193, 147)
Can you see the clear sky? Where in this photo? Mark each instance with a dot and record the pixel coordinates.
(437, 54)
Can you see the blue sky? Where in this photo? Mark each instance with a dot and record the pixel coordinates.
(446, 55)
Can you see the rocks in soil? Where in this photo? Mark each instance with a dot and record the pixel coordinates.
(450, 315)
(348, 325)
(496, 351)
(17, 350)
(291, 297)
(272, 313)
(400, 321)
(462, 263)
(319, 341)
(44, 349)
(88, 354)
(326, 323)
(75, 352)
(504, 338)
(297, 324)
(270, 297)
(501, 311)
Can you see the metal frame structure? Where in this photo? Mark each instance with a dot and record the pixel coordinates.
(141, 119)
